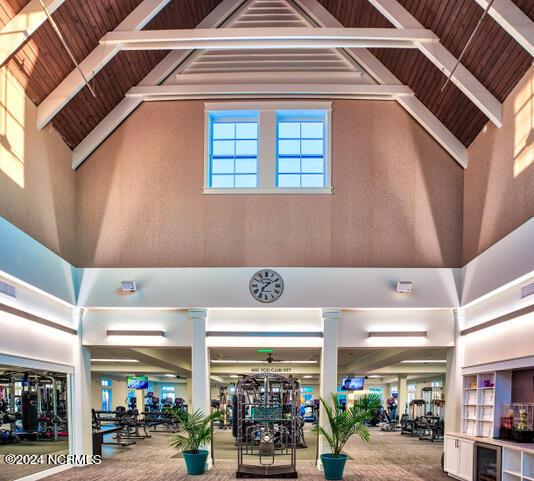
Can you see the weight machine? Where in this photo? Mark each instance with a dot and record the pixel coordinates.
(34, 406)
(266, 413)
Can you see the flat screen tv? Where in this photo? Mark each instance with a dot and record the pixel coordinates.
(137, 382)
(352, 384)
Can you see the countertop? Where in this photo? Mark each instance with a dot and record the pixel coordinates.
(527, 447)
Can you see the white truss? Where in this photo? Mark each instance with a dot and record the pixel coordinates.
(352, 72)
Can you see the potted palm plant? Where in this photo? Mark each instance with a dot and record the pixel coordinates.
(342, 425)
(198, 430)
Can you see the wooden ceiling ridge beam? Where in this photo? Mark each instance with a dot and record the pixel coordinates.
(163, 92)
(22, 25)
(382, 75)
(440, 56)
(267, 37)
(94, 62)
(512, 19)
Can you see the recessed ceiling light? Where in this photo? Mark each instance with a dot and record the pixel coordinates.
(234, 361)
(397, 333)
(424, 361)
(115, 332)
(114, 360)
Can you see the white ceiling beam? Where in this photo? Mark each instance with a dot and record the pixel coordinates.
(94, 62)
(291, 77)
(159, 73)
(382, 75)
(22, 25)
(444, 60)
(267, 37)
(510, 17)
(164, 92)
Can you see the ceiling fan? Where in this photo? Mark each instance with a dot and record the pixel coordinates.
(270, 359)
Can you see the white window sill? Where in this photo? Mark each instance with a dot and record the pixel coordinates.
(292, 190)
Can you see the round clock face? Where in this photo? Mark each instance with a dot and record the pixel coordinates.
(266, 285)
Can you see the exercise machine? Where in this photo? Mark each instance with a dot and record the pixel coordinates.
(412, 423)
(433, 424)
(266, 425)
(33, 406)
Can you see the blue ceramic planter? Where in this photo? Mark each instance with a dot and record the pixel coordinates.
(195, 462)
(333, 466)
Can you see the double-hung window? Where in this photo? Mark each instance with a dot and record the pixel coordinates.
(268, 148)
(233, 150)
(301, 149)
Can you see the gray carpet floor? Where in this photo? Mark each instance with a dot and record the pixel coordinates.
(388, 456)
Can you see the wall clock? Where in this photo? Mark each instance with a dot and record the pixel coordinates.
(266, 285)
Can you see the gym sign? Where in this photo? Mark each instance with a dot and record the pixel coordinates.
(270, 369)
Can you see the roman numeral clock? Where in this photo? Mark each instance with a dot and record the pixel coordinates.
(266, 285)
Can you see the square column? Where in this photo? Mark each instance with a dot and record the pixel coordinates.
(453, 378)
(80, 398)
(403, 394)
(200, 368)
(329, 379)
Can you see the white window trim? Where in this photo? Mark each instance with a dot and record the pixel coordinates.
(267, 147)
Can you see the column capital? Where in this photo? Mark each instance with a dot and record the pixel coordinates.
(330, 313)
(198, 313)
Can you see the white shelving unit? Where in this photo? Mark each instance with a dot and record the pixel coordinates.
(483, 394)
(517, 465)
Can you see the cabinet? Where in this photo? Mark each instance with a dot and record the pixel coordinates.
(517, 465)
(459, 458)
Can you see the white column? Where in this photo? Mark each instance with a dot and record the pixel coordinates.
(403, 394)
(81, 396)
(189, 393)
(200, 368)
(329, 380)
(453, 378)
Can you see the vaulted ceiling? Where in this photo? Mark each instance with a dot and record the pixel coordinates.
(496, 60)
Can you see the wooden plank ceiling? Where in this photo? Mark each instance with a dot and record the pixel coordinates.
(493, 57)
(41, 63)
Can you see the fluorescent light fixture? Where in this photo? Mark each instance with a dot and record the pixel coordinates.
(307, 376)
(374, 377)
(170, 375)
(114, 360)
(397, 334)
(128, 286)
(404, 287)
(224, 361)
(135, 333)
(234, 375)
(229, 361)
(424, 361)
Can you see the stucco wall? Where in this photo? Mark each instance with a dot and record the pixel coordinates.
(36, 179)
(499, 182)
(397, 198)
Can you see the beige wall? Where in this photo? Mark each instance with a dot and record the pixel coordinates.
(499, 182)
(36, 179)
(397, 201)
